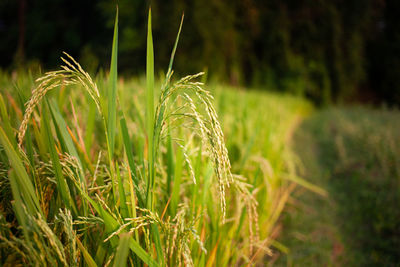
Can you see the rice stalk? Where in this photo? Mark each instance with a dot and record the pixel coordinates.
(208, 125)
(71, 74)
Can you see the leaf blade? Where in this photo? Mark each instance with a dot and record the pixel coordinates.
(112, 91)
(122, 251)
(150, 112)
(24, 183)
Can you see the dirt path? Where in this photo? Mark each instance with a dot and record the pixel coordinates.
(358, 223)
(310, 230)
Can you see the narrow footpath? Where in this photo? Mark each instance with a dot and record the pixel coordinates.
(353, 154)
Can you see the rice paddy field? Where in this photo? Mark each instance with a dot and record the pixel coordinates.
(101, 170)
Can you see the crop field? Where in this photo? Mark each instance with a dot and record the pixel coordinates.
(100, 169)
(107, 171)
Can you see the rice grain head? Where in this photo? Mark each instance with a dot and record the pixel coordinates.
(71, 74)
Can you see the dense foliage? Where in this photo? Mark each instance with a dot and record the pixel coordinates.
(327, 50)
(98, 172)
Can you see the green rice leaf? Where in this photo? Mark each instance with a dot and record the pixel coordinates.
(177, 180)
(171, 61)
(17, 204)
(62, 186)
(6, 122)
(150, 113)
(122, 195)
(89, 260)
(88, 139)
(122, 251)
(129, 154)
(157, 241)
(112, 92)
(61, 126)
(170, 162)
(312, 187)
(128, 146)
(22, 181)
(141, 253)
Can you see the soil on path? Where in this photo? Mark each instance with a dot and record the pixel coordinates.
(353, 155)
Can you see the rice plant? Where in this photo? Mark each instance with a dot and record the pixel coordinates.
(100, 173)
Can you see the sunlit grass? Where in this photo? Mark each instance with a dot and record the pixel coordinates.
(100, 173)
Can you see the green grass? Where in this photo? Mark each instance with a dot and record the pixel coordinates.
(354, 154)
(96, 172)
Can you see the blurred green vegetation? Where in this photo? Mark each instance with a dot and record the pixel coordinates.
(353, 153)
(330, 51)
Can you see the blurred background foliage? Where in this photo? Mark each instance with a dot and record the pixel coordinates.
(329, 51)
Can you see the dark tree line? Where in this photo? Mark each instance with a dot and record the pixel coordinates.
(328, 50)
